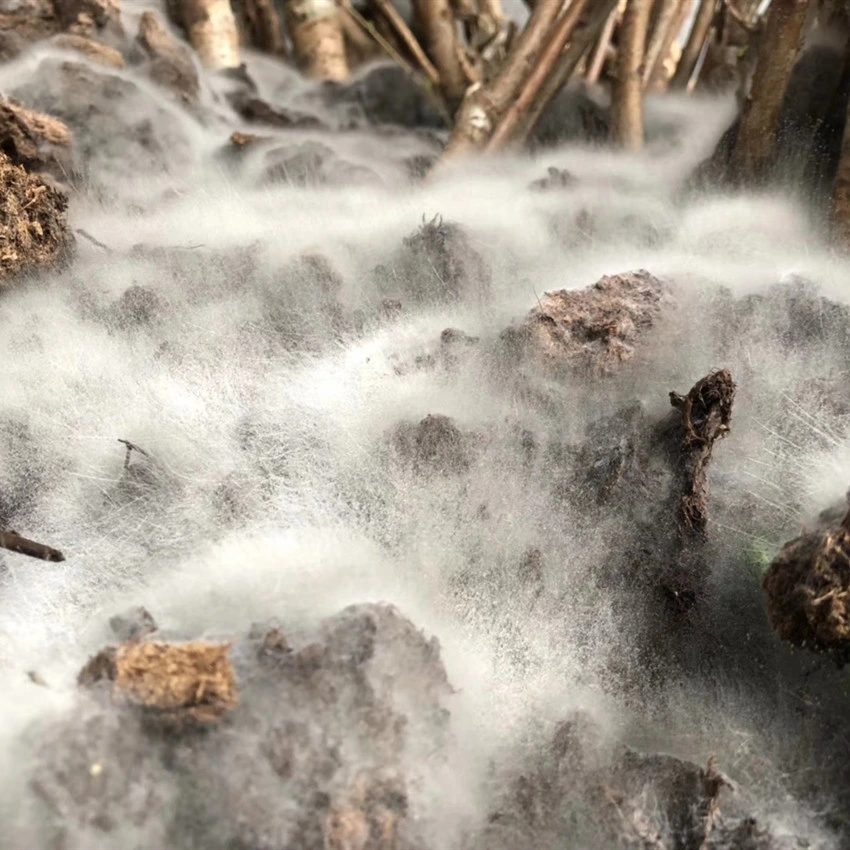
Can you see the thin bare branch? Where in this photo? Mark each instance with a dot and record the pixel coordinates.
(403, 31)
(15, 543)
(534, 84)
(660, 77)
(484, 106)
(601, 52)
(580, 44)
(660, 37)
(697, 39)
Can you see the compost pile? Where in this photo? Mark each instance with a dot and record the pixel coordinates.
(502, 509)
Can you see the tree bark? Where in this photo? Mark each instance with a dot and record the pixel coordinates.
(212, 31)
(598, 61)
(760, 115)
(659, 76)
(693, 49)
(627, 93)
(436, 22)
(660, 37)
(318, 41)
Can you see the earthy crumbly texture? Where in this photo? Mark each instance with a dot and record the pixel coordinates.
(598, 327)
(35, 141)
(34, 230)
(808, 591)
(435, 444)
(192, 680)
(336, 728)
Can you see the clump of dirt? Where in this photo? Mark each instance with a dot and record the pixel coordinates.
(28, 21)
(343, 725)
(556, 178)
(435, 444)
(38, 142)
(133, 624)
(594, 329)
(259, 111)
(91, 17)
(370, 815)
(808, 590)
(34, 230)
(119, 127)
(614, 798)
(436, 263)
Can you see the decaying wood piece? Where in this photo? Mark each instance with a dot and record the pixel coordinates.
(171, 63)
(192, 680)
(760, 114)
(696, 41)
(808, 590)
(211, 29)
(176, 683)
(318, 41)
(21, 545)
(436, 22)
(34, 231)
(706, 412)
(360, 44)
(627, 91)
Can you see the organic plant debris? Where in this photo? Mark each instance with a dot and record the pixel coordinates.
(423, 514)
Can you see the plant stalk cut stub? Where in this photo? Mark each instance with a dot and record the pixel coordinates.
(22, 546)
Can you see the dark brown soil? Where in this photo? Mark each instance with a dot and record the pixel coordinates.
(808, 590)
(34, 230)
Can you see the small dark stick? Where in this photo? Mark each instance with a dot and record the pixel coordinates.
(15, 543)
(132, 447)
